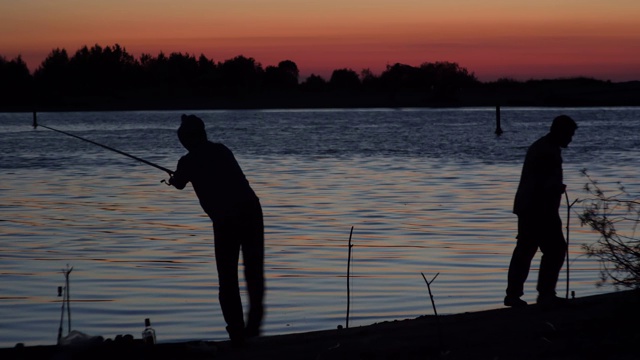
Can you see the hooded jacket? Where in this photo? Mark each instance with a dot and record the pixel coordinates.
(541, 184)
(217, 180)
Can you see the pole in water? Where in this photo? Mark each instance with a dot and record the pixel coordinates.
(348, 278)
(498, 127)
(35, 125)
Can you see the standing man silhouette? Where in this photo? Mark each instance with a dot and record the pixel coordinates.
(235, 210)
(537, 202)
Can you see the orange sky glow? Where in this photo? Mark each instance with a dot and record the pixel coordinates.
(491, 38)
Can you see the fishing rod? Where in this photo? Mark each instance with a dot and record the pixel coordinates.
(35, 125)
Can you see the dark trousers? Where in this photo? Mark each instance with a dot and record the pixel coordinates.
(246, 232)
(543, 232)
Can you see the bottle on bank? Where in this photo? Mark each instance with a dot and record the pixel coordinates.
(149, 333)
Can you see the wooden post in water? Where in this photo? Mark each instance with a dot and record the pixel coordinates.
(348, 272)
(498, 127)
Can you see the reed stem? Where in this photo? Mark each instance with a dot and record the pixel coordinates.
(348, 278)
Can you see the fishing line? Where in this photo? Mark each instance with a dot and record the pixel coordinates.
(35, 125)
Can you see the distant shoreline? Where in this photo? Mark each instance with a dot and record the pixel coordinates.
(540, 94)
(108, 78)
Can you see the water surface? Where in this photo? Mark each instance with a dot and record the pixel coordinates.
(426, 191)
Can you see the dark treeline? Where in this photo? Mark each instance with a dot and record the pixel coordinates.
(109, 78)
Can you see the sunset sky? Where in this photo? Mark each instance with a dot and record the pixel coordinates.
(492, 38)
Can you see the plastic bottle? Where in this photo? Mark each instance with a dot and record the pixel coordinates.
(148, 334)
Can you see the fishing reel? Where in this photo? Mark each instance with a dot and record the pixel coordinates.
(166, 182)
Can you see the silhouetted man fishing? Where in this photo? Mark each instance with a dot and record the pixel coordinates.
(235, 210)
(539, 225)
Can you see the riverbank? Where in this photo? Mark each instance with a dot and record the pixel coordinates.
(535, 93)
(595, 327)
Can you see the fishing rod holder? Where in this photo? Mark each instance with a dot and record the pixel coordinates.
(64, 292)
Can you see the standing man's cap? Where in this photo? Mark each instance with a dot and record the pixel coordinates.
(563, 123)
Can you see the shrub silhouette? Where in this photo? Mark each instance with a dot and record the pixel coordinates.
(618, 251)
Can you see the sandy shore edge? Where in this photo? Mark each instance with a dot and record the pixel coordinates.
(603, 326)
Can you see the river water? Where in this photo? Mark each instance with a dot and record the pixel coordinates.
(427, 191)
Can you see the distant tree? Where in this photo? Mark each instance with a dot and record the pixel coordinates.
(205, 65)
(452, 71)
(572, 81)
(119, 63)
(399, 77)
(241, 75)
(182, 72)
(101, 71)
(508, 81)
(52, 77)
(344, 79)
(16, 82)
(208, 74)
(369, 80)
(314, 83)
(155, 70)
(290, 72)
(446, 79)
(282, 77)
(505, 83)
